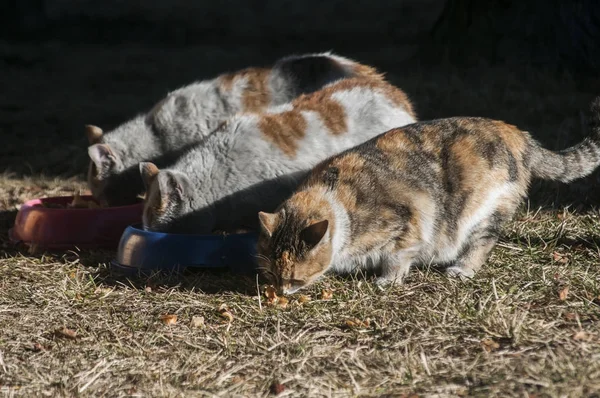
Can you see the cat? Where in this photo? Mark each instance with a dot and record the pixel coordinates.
(434, 192)
(189, 114)
(257, 160)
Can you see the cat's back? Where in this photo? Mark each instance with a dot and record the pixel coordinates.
(463, 153)
(308, 73)
(356, 94)
(478, 136)
(341, 115)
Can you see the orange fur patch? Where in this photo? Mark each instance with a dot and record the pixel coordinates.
(287, 128)
(350, 163)
(256, 94)
(368, 72)
(284, 130)
(395, 141)
(514, 138)
(330, 112)
(393, 93)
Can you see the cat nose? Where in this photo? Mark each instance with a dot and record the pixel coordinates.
(283, 288)
(292, 287)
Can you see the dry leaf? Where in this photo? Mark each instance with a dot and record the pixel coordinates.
(169, 319)
(570, 316)
(103, 290)
(224, 313)
(237, 380)
(357, 323)
(559, 257)
(197, 321)
(37, 347)
(276, 388)
(66, 333)
(303, 299)
(581, 335)
(489, 345)
(556, 276)
(563, 293)
(326, 295)
(227, 315)
(282, 302)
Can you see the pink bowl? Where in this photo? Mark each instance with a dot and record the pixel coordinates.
(66, 228)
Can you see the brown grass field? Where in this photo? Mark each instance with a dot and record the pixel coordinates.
(528, 325)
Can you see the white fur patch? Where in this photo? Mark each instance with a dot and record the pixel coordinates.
(494, 198)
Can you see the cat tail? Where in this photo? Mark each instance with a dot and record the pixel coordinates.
(572, 163)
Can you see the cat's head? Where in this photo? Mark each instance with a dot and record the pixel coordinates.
(168, 195)
(104, 164)
(295, 246)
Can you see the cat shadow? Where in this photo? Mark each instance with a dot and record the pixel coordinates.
(7, 220)
(207, 281)
(580, 195)
(270, 193)
(265, 196)
(592, 243)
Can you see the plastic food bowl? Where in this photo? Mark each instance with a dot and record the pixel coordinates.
(143, 251)
(66, 228)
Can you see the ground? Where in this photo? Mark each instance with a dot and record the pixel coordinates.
(527, 325)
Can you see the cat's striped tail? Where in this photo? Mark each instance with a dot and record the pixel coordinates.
(572, 163)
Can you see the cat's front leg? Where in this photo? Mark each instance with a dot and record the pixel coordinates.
(395, 267)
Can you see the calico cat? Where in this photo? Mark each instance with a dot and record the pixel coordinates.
(256, 160)
(189, 114)
(431, 192)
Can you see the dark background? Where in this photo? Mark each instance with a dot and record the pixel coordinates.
(66, 63)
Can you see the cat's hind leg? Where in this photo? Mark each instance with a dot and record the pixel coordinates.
(476, 250)
(472, 256)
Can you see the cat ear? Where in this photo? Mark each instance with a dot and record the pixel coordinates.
(314, 233)
(103, 157)
(172, 186)
(268, 222)
(93, 134)
(148, 172)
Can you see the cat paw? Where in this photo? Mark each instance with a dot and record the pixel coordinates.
(459, 272)
(384, 283)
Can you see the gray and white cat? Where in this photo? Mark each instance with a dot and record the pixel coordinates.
(189, 114)
(257, 160)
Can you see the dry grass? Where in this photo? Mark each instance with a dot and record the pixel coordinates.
(508, 332)
(68, 328)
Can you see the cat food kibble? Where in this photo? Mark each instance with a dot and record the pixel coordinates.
(80, 203)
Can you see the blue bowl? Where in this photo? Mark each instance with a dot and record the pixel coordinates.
(143, 252)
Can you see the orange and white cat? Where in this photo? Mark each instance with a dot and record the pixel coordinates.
(187, 115)
(256, 160)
